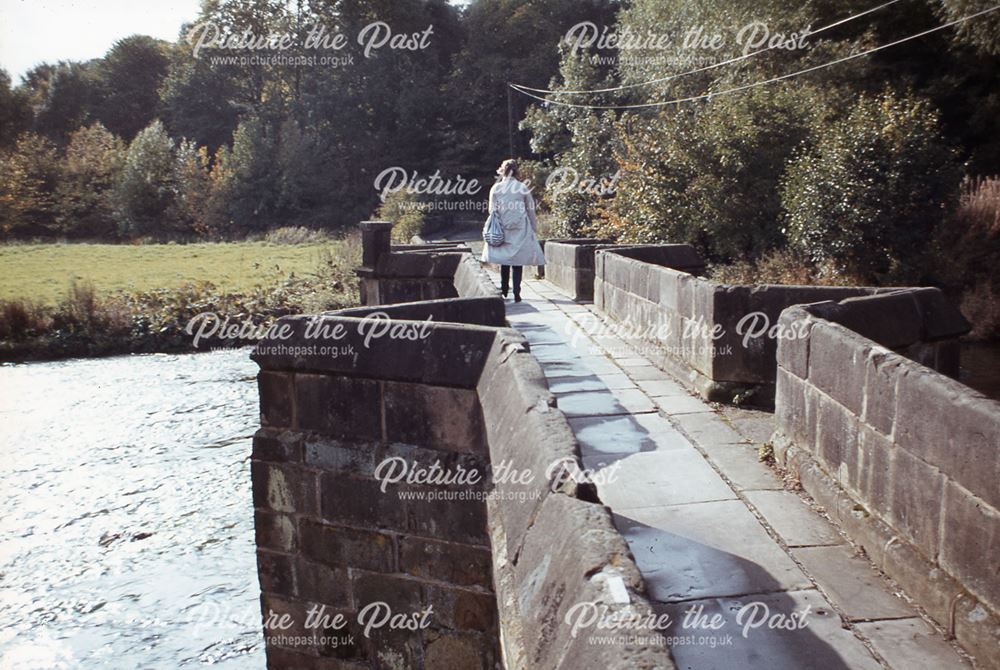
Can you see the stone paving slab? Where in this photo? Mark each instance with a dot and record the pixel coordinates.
(590, 403)
(616, 380)
(675, 405)
(706, 550)
(822, 644)
(643, 372)
(574, 384)
(660, 478)
(634, 400)
(657, 388)
(740, 464)
(602, 440)
(797, 523)
(706, 429)
(912, 643)
(851, 583)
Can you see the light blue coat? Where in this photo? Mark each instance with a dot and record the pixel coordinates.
(512, 201)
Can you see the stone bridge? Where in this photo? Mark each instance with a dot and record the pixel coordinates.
(445, 480)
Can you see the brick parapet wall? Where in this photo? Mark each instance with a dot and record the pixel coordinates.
(907, 459)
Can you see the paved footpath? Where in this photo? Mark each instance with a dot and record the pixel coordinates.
(714, 530)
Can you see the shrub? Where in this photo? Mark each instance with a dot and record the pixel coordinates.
(981, 306)
(296, 235)
(146, 192)
(873, 191)
(782, 266)
(710, 177)
(406, 213)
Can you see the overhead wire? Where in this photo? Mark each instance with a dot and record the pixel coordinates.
(744, 87)
(735, 59)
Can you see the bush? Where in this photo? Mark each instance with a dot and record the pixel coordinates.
(873, 191)
(782, 266)
(296, 235)
(710, 177)
(406, 213)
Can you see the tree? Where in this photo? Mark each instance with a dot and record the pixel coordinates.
(63, 97)
(709, 175)
(92, 164)
(15, 111)
(28, 178)
(506, 41)
(130, 75)
(145, 194)
(871, 194)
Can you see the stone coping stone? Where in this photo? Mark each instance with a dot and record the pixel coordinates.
(675, 256)
(485, 311)
(897, 318)
(439, 354)
(424, 265)
(574, 557)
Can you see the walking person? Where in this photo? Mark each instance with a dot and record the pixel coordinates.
(511, 201)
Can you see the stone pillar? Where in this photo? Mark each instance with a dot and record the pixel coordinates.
(376, 239)
(339, 531)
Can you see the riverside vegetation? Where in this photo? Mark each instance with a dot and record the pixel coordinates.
(139, 298)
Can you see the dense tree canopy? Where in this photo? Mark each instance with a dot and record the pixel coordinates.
(196, 138)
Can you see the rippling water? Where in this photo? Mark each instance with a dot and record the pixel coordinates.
(126, 532)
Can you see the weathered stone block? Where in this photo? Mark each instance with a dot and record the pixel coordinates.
(445, 562)
(458, 518)
(870, 474)
(793, 351)
(881, 374)
(483, 311)
(276, 573)
(951, 427)
(318, 582)
(401, 593)
(970, 546)
(340, 456)
(274, 531)
(890, 319)
(445, 418)
(283, 488)
(457, 651)
(340, 548)
(836, 436)
(360, 502)
(940, 318)
(275, 390)
(915, 500)
(462, 609)
(837, 364)
(338, 406)
(791, 413)
(277, 446)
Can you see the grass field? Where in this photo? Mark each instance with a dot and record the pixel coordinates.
(43, 272)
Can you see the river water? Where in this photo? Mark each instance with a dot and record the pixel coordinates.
(126, 532)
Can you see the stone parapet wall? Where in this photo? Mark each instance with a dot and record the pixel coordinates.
(500, 561)
(719, 338)
(393, 274)
(907, 459)
(569, 264)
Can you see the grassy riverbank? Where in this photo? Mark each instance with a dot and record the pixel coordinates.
(61, 300)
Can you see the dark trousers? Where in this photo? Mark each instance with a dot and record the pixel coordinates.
(505, 279)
